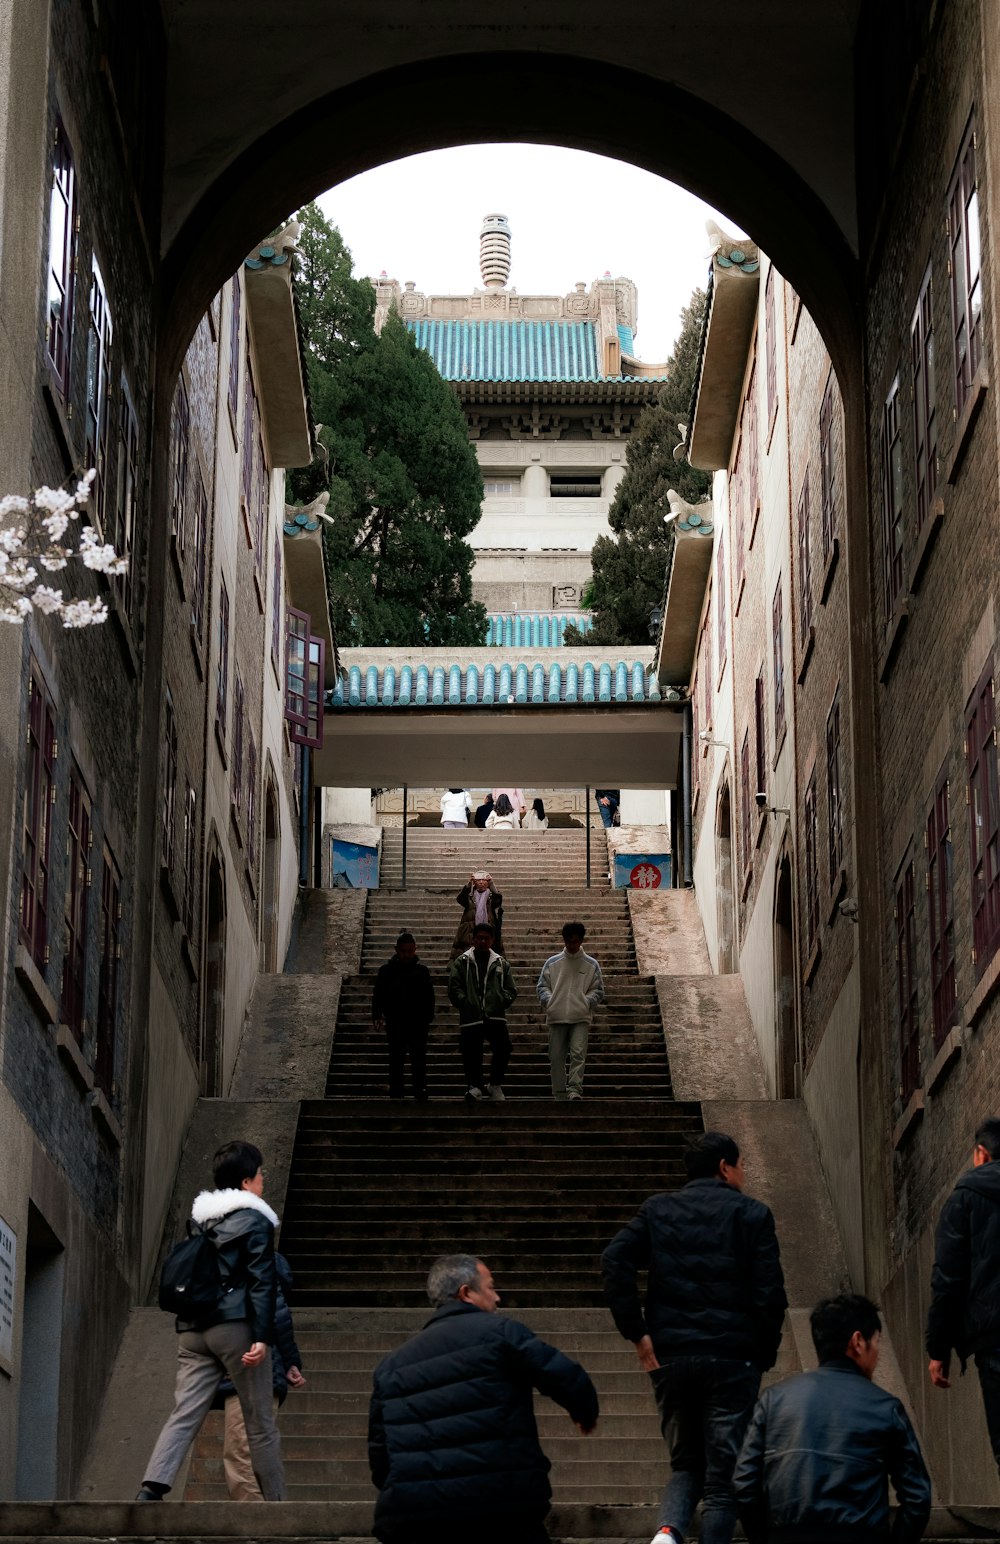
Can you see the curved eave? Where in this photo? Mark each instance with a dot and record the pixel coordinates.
(677, 647)
(625, 392)
(726, 342)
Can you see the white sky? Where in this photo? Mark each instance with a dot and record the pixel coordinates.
(572, 215)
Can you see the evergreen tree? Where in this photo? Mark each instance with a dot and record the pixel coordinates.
(628, 567)
(404, 483)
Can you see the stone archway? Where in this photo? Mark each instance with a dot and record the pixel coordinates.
(214, 1002)
(786, 1038)
(726, 922)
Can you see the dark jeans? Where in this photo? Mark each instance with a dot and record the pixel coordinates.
(407, 1040)
(472, 1039)
(705, 1404)
(607, 812)
(988, 1368)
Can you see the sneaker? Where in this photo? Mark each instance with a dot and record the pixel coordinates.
(574, 1095)
(495, 1092)
(666, 1536)
(147, 1493)
(473, 1095)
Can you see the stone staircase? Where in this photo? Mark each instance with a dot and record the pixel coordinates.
(438, 858)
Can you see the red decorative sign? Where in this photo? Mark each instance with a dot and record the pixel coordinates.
(645, 876)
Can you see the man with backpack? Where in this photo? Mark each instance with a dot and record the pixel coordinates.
(224, 1297)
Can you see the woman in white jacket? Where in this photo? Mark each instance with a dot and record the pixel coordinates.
(456, 807)
(501, 817)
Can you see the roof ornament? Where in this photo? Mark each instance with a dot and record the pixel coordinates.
(693, 518)
(727, 252)
(494, 251)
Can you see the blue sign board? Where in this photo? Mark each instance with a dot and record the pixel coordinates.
(354, 867)
(642, 871)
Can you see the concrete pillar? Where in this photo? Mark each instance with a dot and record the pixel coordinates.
(612, 477)
(535, 482)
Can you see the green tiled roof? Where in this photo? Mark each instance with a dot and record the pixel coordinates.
(512, 351)
(469, 686)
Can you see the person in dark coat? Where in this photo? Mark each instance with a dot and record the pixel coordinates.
(711, 1324)
(403, 1005)
(235, 1336)
(452, 1442)
(483, 812)
(964, 1315)
(480, 901)
(286, 1372)
(822, 1448)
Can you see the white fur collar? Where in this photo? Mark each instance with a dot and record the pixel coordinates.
(212, 1205)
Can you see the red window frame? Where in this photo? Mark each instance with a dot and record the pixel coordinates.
(39, 797)
(222, 663)
(305, 656)
(239, 715)
(771, 348)
(941, 911)
(966, 269)
(805, 565)
(260, 512)
(720, 586)
(276, 592)
(892, 501)
(169, 800)
(123, 535)
(745, 823)
(235, 339)
(760, 733)
(79, 835)
(251, 440)
(180, 450)
(251, 799)
(904, 915)
(62, 259)
(99, 341)
(752, 449)
(199, 542)
(834, 797)
(107, 988)
(827, 470)
(190, 856)
(924, 392)
(778, 655)
(810, 818)
(984, 820)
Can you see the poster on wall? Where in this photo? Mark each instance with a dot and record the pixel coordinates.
(8, 1274)
(354, 867)
(642, 871)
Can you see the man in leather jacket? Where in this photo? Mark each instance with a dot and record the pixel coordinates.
(482, 988)
(403, 1006)
(821, 1448)
(236, 1336)
(710, 1325)
(965, 1308)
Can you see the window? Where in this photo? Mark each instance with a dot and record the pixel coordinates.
(62, 260)
(251, 439)
(180, 446)
(827, 480)
(778, 655)
(199, 542)
(924, 392)
(737, 497)
(760, 733)
(222, 664)
(720, 591)
(123, 534)
(39, 796)
(811, 822)
(233, 396)
(98, 393)
(984, 820)
(577, 485)
(190, 856)
(892, 502)
(107, 987)
(276, 593)
(500, 489)
(771, 337)
(753, 449)
(78, 839)
(906, 985)
(263, 491)
(805, 567)
(251, 799)
(941, 912)
(834, 800)
(966, 285)
(236, 781)
(304, 663)
(168, 805)
(745, 824)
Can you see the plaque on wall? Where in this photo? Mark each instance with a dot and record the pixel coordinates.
(8, 1276)
(567, 597)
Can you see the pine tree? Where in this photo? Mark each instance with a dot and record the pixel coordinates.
(628, 567)
(404, 483)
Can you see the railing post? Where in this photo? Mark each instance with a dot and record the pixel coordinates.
(586, 824)
(404, 836)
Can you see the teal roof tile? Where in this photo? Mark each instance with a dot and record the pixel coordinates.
(472, 686)
(511, 351)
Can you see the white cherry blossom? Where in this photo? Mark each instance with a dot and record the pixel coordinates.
(32, 532)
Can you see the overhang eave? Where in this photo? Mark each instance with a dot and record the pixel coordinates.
(678, 642)
(729, 330)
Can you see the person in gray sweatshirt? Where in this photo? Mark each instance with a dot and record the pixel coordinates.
(569, 989)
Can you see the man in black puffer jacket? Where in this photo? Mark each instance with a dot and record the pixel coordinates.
(715, 1301)
(965, 1309)
(821, 1448)
(235, 1336)
(452, 1442)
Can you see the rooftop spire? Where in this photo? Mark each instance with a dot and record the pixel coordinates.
(494, 251)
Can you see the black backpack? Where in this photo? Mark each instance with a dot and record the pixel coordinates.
(191, 1281)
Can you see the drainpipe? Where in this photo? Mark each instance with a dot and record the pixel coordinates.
(674, 876)
(304, 816)
(318, 838)
(686, 795)
(586, 824)
(404, 836)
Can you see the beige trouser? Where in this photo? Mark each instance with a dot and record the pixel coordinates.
(241, 1481)
(568, 1045)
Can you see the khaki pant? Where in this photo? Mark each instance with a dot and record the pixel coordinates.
(567, 1058)
(241, 1481)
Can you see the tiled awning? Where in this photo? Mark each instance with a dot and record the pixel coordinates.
(504, 685)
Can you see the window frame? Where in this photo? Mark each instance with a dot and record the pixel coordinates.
(746, 840)
(770, 349)
(923, 389)
(834, 792)
(810, 821)
(907, 999)
(235, 342)
(106, 1022)
(61, 266)
(778, 662)
(168, 802)
(305, 657)
(222, 663)
(126, 490)
(239, 726)
(720, 575)
(189, 856)
(827, 470)
(965, 262)
(180, 453)
(805, 563)
(199, 546)
(891, 459)
(760, 733)
(983, 794)
(941, 910)
(36, 826)
(100, 339)
(79, 839)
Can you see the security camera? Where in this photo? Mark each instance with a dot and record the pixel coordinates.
(760, 799)
(849, 909)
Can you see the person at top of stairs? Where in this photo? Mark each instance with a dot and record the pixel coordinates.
(503, 816)
(715, 1303)
(481, 901)
(452, 1441)
(481, 987)
(515, 796)
(403, 1006)
(456, 807)
(569, 989)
